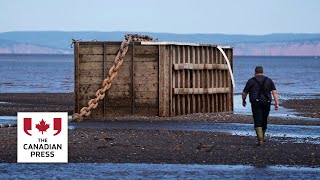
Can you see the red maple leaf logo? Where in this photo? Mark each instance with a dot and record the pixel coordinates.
(42, 126)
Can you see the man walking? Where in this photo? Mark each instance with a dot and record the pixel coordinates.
(259, 88)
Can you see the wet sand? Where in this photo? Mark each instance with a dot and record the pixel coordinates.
(11, 103)
(63, 102)
(161, 146)
(307, 108)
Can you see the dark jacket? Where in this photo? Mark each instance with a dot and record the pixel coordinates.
(253, 88)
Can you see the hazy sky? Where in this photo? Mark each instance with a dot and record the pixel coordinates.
(174, 16)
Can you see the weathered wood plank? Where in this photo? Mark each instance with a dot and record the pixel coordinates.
(145, 101)
(91, 49)
(170, 58)
(146, 79)
(198, 57)
(147, 111)
(146, 59)
(121, 87)
(119, 102)
(118, 110)
(153, 111)
(98, 50)
(146, 95)
(208, 80)
(76, 78)
(221, 102)
(147, 72)
(230, 98)
(120, 94)
(93, 66)
(122, 78)
(217, 96)
(88, 80)
(86, 88)
(164, 66)
(141, 66)
(132, 92)
(146, 50)
(104, 73)
(90, 58)
(178, 81)
(188, 80)
(148, 64)
(183, 58)
(123, 71)
(96, 113)
(147, 87)
(211, 56)
(193, 81)
(173, 80)
(203, 79)
(200, 90)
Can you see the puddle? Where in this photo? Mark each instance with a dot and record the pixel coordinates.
(13, 120)
(298, 133)
(8, 119)
(153, 171)
(2, 102)
(282, 112)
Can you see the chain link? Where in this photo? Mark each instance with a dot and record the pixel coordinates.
(106, 84)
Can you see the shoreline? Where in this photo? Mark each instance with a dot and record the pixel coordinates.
(120, 145)
(63, 102)
(103, 145)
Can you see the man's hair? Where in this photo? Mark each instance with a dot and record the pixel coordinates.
(259, 69)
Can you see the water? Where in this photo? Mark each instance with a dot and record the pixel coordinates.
(291, 75)
(8, 120)
(36, 73)
(310, 133)
(54, 73)
(153, 171)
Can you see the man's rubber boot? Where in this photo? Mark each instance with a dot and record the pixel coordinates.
(264, 135)
(259, 133)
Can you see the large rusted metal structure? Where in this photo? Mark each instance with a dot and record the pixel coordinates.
(156, 78)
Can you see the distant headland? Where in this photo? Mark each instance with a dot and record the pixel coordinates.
(58, 42)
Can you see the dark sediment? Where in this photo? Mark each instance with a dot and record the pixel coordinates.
(35, 102)
(306, 107)
(161, 146)
(63, 102)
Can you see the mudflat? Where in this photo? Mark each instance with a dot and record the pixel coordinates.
(119, 145)
(164, 146)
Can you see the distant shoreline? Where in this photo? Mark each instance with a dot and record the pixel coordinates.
(53, 42)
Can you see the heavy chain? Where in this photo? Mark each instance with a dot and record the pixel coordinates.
(118, 61)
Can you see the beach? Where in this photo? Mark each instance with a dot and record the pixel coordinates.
(127, 144)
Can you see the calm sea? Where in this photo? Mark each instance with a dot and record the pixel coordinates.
(54, 73)
(36, 73)
(292, 75)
